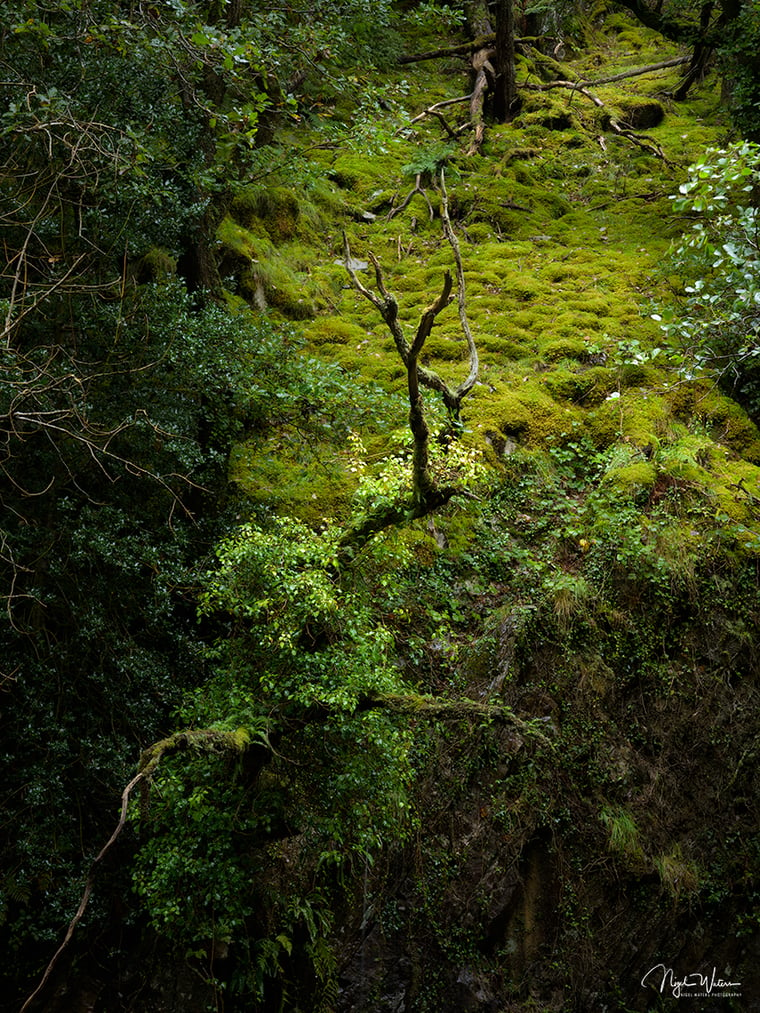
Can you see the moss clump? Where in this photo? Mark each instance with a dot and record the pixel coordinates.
(563, 348)
(241, 242)
(632, 416)
(286, 475)
(588, 387)
(632, 479)
(275, 210)
(335, 331)
(526, 415)
(726, 421)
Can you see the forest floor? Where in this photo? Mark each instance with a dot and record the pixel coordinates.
(601, 578)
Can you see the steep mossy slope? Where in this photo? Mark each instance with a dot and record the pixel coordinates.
(604, 581)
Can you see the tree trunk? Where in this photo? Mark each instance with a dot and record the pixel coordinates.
(476, 12)
(505, 90)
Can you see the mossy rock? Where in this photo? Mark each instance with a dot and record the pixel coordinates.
(640, 375)
(640, 113)
(282, 476)
(440, 347)
(155, 265)
(266, 277)
(272, 286)
(520, 154)
(736, 487)
(553, 118)
(335, 331)
(726, 421)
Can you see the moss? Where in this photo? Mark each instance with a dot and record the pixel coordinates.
(520, 154)
(335, 331)
(241, 242)
(283, 474)
(640, 113)
(632, 479)
(276, 209)
(726, 421)
(155, 265)
(527, 414)
(640, 375)
(589, 387)
(736, 487)
(564, 348)
(633, 416)
(265, 276)
(363, 174)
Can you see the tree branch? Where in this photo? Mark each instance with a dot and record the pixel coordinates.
(469, 382)
(204, 740)
(638, 71)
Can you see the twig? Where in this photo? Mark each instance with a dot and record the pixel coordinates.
(88, 887)
(418, 188)
(466, 386)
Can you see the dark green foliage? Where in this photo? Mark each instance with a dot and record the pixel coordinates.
(460, 752)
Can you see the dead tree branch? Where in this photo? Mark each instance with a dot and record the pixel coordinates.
(201, 740)
(638, 71)
(469, 382)
(427, 495)
(640, 140)
(462, 49)
(417, 188)
(387, 306)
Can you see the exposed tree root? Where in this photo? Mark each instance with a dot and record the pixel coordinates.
(485, 74)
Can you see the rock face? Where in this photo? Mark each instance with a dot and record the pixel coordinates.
(522, 890)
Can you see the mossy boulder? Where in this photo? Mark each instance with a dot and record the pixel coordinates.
(700, 402)
(639, 113)
(526, 415)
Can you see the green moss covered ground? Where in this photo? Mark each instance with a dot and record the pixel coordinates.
(565, 229)
(603, 578)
